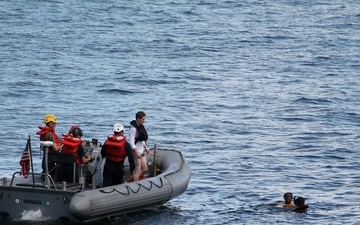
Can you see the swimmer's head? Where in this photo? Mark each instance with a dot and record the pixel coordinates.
(299, 201)
(288, 196)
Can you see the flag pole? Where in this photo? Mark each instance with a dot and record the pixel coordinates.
(31, 158)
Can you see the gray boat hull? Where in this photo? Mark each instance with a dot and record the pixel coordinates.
(82, 203)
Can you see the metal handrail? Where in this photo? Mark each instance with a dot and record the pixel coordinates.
(49, 177)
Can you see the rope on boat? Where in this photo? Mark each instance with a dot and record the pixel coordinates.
(129, 189)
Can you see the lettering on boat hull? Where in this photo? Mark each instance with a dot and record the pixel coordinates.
(32, 202)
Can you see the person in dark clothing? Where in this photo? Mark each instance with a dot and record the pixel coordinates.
(115, 149)
(72, 144)
(300, 205)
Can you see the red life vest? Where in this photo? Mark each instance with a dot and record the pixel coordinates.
(43, 131)
(71, 145)
(115, 148)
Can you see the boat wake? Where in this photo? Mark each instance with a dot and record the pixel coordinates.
(32, 215)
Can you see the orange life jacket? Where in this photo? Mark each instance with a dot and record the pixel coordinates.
(115, 148)
(71, 145)
(43, 131)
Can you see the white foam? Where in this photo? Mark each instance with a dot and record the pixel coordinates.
(32, 215)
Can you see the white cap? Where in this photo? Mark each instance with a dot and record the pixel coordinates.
(119, 127)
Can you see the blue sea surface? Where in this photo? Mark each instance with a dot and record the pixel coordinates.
(261, 97)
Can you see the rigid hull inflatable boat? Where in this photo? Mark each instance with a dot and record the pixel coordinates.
(168, 177)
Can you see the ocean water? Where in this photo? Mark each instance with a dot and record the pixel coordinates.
(261, 97)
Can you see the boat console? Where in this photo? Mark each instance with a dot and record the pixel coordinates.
(90, 173)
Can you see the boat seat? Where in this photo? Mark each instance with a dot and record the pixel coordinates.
(63, 158)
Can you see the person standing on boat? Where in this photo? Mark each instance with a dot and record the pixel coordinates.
(69, 133)
(115, 149)
(47, 133)
(138, 138)
(72, 143)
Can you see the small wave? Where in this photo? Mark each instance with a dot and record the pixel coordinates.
(112, 90)
(312, 100)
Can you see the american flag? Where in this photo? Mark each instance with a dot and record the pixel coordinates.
(25, 160)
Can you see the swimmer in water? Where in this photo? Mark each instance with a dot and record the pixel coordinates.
(300, 205)
(288, 197)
